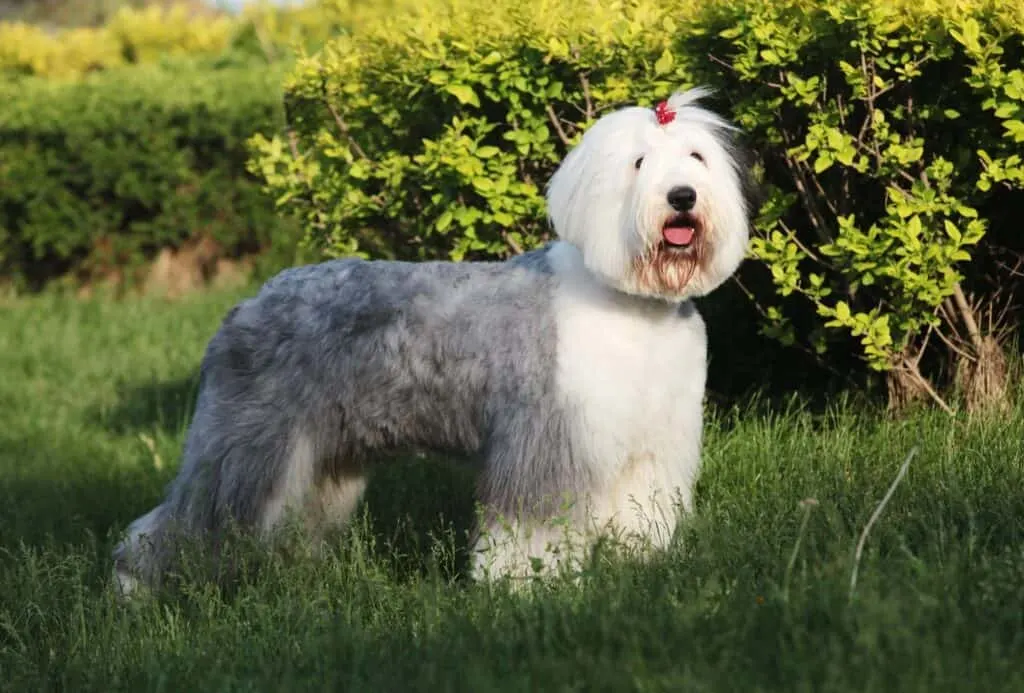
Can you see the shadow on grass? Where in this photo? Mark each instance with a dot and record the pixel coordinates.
(164, 405)
(46, 505)
(416, 504)
(415, 509)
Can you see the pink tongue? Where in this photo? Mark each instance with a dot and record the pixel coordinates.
(678, 235)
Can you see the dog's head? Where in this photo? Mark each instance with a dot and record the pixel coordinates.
(657, 201)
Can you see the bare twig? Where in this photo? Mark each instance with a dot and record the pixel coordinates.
(873, 93)
(924, 345)
(715, 59)
(953, 347)
(558, 126)
(817, 219)
(293, 143)
(875, 152)
(588, 110)
(293, 146)
(967, 315)
(793, 236)
(585, 83)
(512, 243)
(911, 113)
(840, 109)
(343, 126)
(946, 307)
(1014, 271)
(158, 461)
(843, 208)
(948, 315)
(927, 386)
(874, 518)
(824, 194)
(865, 124)
(818, 222)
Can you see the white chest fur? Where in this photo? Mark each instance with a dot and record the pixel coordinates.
(632, 371)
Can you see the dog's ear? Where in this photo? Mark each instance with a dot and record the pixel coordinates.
(745, 162)
(755, 192)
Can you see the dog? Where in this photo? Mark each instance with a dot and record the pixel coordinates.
(574, 373)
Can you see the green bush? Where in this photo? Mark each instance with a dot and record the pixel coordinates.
(889, 130)
(103, 172)
(884, 130)
(432, 135)
(133, 33)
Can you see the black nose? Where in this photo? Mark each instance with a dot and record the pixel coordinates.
(682, 198)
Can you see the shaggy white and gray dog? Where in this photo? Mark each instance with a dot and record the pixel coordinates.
(574, 373)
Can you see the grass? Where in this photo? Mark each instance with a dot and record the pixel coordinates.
(94, 398)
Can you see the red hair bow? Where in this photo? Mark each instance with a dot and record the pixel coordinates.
(664, 114)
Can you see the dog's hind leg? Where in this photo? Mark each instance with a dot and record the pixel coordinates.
(245, 466)
(274, 499)
(263, 430)
(320, 496)
(254, 485)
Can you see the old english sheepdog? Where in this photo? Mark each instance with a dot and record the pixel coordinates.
(574, 373)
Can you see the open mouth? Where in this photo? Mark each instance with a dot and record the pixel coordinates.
(680, 231)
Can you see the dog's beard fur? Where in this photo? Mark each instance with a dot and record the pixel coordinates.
(666, 271)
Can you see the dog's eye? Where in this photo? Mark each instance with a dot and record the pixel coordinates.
(697, 156)
(637, 163)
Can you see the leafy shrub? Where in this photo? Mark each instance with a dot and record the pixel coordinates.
(26, 49)
(861, 110)
(145, 35)
(133, 35)
(432, 135)
(69, 13)
(280, 29)
(103, 172)
(884, 131)
(152, 32)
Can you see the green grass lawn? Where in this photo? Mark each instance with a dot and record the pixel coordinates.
(94, 398)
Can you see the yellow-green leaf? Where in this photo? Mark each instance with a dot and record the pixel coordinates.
(464, 93)
(664, 63)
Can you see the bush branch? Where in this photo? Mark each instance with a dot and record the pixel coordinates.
(558, 126)
(585, 83)
(967, 315)
(343, 127)
(915, 372)
(817, 220)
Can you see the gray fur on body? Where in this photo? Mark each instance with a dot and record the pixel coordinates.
(356, 358)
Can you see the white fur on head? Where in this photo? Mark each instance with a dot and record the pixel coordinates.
(609, 198)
